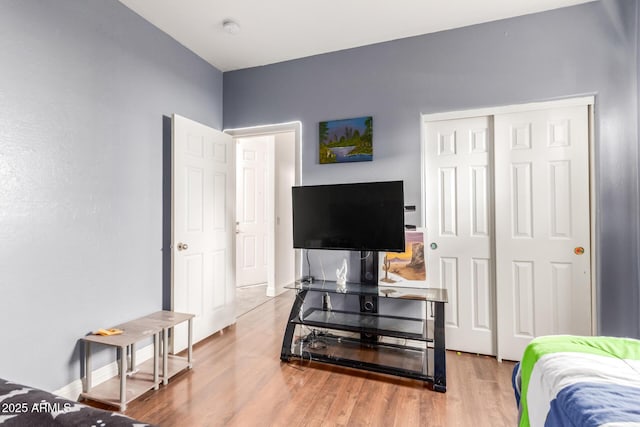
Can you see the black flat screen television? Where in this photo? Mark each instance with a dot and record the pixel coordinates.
(366, 216)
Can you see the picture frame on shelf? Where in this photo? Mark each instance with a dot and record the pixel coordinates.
(408, 268)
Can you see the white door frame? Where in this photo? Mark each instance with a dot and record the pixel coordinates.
(492, 111)
(272, 129)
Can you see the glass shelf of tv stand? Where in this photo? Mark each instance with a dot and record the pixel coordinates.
(383, 357)
(382, 290)
(368, 323)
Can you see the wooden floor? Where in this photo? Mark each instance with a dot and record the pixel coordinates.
(238, 380)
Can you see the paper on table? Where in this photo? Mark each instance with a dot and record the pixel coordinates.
(108, 332)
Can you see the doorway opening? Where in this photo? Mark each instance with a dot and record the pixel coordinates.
(267, 166)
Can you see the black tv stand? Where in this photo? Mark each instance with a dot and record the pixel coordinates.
(411, 347)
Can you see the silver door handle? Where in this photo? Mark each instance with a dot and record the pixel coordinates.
(183, 246)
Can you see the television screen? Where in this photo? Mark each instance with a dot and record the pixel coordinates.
(362, 217)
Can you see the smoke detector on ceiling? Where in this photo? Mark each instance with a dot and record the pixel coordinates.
(230, 26)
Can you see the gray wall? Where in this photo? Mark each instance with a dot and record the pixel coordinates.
(84, 86)
(587, 49)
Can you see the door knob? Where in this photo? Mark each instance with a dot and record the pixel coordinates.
(183, 246)
(434, 245)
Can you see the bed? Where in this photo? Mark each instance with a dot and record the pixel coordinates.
(22, 406)
(566, 380)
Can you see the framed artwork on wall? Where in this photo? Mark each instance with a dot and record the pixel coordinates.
(407, 268)
(346, 140)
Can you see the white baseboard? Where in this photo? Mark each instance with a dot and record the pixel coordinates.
(276, 290)
(72, 390)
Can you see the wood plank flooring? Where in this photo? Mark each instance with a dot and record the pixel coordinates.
(239, 380)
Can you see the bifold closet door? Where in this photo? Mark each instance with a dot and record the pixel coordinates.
(543, 276)
(459, 224)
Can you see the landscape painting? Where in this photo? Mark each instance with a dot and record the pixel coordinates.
(407, 268)
(347, 140)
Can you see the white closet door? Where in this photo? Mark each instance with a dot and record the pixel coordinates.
(542, 226)
(459, 220)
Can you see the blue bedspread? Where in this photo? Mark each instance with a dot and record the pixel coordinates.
(589, 404)
(579, 381)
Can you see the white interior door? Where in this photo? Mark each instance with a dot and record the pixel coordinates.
(460, 229)
(254, 196)
(542, 221)
(203, 192)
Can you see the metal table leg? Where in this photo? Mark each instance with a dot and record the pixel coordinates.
(190, 348)
(132, 368)
(87, 367)
(123, 378)
(156, 345)
(165, 356)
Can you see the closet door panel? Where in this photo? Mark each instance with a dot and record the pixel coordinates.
(543, 267)
(459, 220)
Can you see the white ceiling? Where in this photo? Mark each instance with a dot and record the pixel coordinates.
(279, 30)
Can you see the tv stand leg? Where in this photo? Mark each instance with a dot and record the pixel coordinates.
(285, 354)
(439, 352)
(439, 388)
